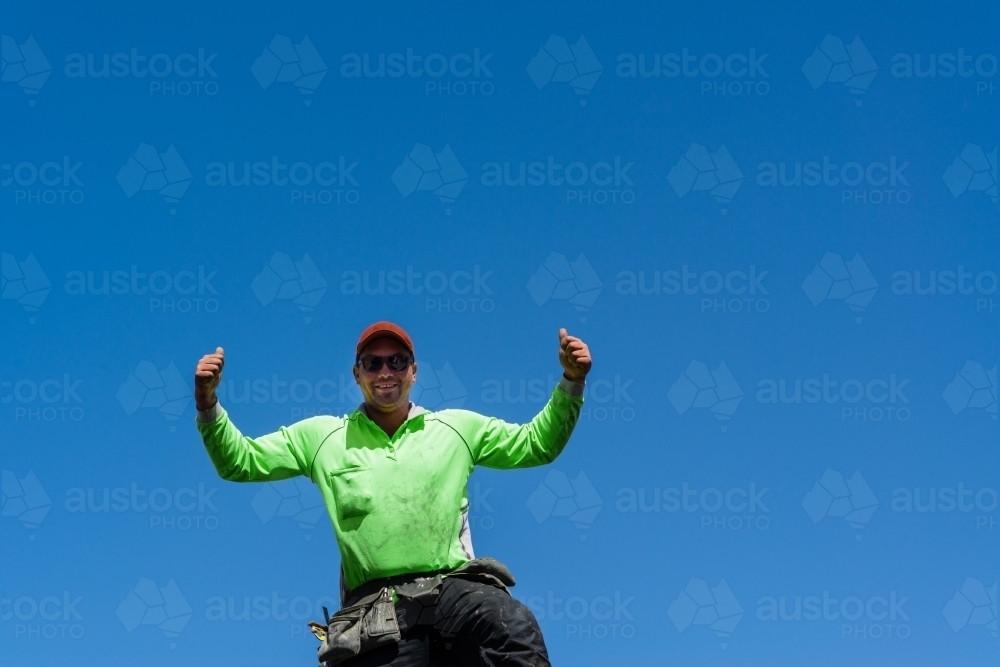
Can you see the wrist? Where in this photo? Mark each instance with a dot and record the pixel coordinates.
(578, 380)
(209, 414)
(206, 402)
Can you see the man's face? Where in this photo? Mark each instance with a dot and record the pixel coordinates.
(385, 389)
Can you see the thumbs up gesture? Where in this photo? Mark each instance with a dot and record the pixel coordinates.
(207, 376)
(574, 357)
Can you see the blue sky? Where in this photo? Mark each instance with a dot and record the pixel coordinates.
(650, 223)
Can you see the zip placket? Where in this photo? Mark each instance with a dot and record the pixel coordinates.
(385, 440)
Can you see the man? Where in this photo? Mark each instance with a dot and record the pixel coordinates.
(394, 479)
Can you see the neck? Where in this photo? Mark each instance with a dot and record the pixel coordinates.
(388, 421)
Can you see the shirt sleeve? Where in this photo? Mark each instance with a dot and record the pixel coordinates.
(288, 452)
(495, 443)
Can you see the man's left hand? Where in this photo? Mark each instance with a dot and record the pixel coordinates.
(574, 355)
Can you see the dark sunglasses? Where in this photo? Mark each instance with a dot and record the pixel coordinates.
(395, 362)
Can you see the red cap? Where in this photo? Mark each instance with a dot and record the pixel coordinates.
(384, 329)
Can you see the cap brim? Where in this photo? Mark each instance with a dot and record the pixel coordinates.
(382, 334)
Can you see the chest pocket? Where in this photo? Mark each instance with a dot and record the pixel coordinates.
(352, 489)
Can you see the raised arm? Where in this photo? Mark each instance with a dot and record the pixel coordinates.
(497, 444)
(285, 453)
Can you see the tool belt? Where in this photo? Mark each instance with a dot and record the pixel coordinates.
(377, 612)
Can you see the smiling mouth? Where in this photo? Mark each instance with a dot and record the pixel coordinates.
(385, 385)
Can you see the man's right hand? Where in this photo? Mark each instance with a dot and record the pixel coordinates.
(207, 376)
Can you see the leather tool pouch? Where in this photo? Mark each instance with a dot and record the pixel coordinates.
(360, 628)
(372, 621)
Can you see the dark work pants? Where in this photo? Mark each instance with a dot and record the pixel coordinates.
(476, 625)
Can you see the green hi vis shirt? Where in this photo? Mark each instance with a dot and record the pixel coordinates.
(399, 504)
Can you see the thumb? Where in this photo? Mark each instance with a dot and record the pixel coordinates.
(562, 335)
(219, 351)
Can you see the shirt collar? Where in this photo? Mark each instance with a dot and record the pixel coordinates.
(413, 412)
